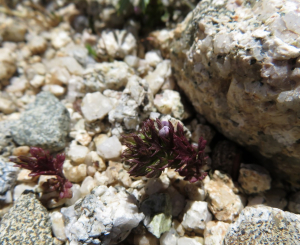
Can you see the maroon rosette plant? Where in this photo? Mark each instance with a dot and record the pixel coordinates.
(158, 146)
(42, 163)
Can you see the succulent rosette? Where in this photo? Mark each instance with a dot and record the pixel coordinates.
(158, 146)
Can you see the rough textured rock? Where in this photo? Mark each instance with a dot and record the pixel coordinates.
(264, 225)
(106, 216)
(27, 222)
(238, 62)
(254, 178)
(214, 232)
(222, 201)
(8, 176)
(45, 124)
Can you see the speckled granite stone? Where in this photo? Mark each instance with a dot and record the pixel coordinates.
(27, 222)
(45, 124)
(264, 225)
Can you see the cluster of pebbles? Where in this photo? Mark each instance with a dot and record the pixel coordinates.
(60, 95)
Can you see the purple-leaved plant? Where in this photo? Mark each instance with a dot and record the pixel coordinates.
(42, 163)
(160, 146)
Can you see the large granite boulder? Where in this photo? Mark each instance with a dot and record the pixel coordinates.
(239, 64)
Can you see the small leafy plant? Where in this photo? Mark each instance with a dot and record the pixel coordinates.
(156, 147)
(42, 163)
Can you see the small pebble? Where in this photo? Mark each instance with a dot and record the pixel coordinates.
(58, 226)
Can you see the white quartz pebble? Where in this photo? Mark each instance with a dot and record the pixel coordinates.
(95, 106)
(101, 178)
(153, 57)
(58, 226)
(169, 237)
(169, 103)
(76, 195)
(196, 216)
(110, 148)
(87, 185)
(92, 159)
(188, 241)
(77, 153)
(74, 173)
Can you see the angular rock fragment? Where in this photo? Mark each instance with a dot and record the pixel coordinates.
(222, 201)
(215, 232)
(196, 216)
(254, 178)
(135, 105)
(106, 216)
(95, 106)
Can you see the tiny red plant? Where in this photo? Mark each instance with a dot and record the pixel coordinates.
(156, 147)
(42, 163)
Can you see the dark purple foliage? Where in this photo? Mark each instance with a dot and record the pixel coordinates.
(42, 163)
(155, 148)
